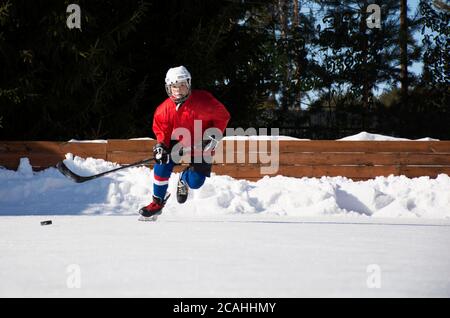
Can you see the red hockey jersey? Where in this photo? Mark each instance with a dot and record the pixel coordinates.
(200, 106)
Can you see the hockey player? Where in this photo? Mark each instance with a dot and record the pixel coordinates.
(183, 109)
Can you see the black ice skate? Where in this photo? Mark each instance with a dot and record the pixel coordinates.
(182, 191)
(151, 211)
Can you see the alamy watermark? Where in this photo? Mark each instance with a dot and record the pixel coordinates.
(74, 19)
(74, 278)
(374, 20)
(374, 278)
(248, 146)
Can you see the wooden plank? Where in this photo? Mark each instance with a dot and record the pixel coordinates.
(9, 162)
(94, 150)
(128, 158)
(254, 171)
(253, 179)
(342, 146)
(365, 146)
(369, 159)
(44, 162)
(302, 146)
(26, 148)
(37, 160)
(310, 158)
(126, 145)
(413, 172)
(331, 146)
(361, 172)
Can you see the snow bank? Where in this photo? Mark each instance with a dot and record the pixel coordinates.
(48, 192)
(96, 141)
(365, 136)
(261, 137)
(141, 138)
(25, 168)
(362, 136)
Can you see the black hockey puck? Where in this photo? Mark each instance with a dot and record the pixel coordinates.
(46, 222)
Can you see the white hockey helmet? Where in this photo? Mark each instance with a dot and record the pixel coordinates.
(177, 75)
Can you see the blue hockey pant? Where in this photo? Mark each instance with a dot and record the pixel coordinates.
(161, 175)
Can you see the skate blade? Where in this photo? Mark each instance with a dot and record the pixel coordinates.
(148, 219)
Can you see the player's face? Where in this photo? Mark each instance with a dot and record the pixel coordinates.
(179, 90)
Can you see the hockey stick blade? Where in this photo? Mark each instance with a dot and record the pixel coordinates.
(70, 174)
(61, 166)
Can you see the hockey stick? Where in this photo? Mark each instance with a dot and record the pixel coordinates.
(61, 166)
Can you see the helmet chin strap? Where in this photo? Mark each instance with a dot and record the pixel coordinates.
(181, 100)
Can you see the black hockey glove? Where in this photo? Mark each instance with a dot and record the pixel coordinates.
(161, 154)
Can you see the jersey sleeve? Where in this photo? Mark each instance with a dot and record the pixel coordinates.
(161, 126)
(219, 114)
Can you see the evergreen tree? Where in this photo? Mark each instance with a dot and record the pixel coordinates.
(435, 21)
(105, 80)
(263, 59)
(66, 82)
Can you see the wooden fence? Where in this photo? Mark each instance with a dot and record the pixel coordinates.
(358, 160)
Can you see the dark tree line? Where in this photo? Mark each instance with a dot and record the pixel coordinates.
(310, 67)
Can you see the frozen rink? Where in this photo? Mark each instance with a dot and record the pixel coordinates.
(223, 256)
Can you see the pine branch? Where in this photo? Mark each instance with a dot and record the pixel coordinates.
(441, 5)
(4, 12)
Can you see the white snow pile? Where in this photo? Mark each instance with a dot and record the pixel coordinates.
(365, 136)
(262, 137)
(48, 192)
(104, 141)
(96, 141)
(362, 136)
